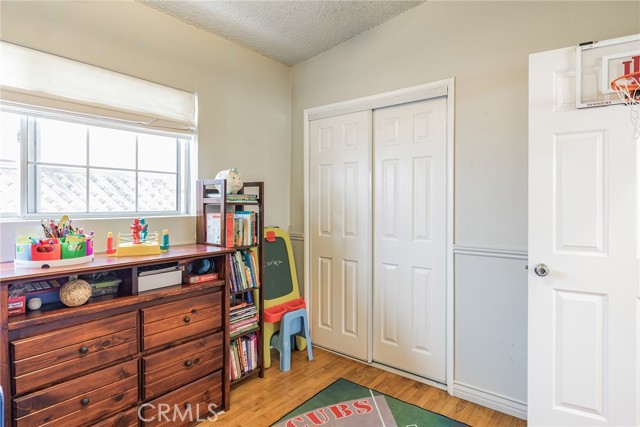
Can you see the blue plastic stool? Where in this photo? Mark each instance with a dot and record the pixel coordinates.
(292, 324)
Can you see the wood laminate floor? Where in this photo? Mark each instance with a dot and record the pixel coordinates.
(261, 402)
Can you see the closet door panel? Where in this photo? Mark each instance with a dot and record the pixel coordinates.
(410, 201)
(340, 232)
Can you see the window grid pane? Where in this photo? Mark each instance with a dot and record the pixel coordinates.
(112, 191)
(9, 189)
(62, 189)
(157, 192)
(10, 134)
(112, 148)
(157, 153)
(60, 142)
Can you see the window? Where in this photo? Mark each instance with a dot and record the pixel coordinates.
(52, 165)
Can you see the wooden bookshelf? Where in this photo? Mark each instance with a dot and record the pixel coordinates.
(212, 228)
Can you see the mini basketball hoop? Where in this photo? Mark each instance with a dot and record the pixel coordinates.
(627, 86)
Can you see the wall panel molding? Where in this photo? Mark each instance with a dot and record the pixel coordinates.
(490, 252)
(516, 408)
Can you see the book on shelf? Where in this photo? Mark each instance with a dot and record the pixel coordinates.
(244, 355)
(241, 228)
(213, 228)
(243, 269)
(243, 318)
(244, 311)
(229, 230)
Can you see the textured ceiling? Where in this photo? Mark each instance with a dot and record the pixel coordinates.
(286, 31)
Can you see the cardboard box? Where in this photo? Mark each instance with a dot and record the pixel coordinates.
(159, 280)
(190, 279)
(17, 305)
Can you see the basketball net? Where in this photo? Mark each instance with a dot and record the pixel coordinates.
(627, 87)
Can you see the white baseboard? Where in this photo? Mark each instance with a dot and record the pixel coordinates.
(490, 400)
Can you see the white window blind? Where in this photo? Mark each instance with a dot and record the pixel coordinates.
(40, 80)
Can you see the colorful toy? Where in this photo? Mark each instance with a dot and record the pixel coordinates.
(110, 248)
(143, 232)
(136, 228)
(139, 242)
(164, 245)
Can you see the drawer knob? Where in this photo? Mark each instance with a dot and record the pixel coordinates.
(84, 349)
(188, 363)
(193, 311)
(196, 360)
(85, 401)
(187, 319)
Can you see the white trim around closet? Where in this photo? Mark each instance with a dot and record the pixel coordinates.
(415, 93)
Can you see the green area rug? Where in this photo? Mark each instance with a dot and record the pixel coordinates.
(346, 404)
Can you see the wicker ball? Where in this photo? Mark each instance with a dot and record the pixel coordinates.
(75, 293)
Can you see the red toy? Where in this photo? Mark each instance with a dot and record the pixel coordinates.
(136, 228)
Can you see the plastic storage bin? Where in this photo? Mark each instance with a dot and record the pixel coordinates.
(45, 252)
(74, 250)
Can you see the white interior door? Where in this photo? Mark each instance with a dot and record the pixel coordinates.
(583, 361)
(410, 237)
(340, 228)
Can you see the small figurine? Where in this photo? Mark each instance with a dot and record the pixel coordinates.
(135, 231)
(110, 248)
(164, 245)
(143, 232)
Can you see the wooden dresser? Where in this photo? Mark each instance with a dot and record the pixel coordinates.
(151, 359)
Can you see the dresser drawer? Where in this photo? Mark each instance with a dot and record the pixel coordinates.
(82, 400)
(187, 404)
(182, 364)
(165, 323)
(51, 357)
(123, 419)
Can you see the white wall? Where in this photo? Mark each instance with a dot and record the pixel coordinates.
(485, 46)
(244, 98)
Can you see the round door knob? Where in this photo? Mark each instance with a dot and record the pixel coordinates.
(541, 270)
(187, 319)
(85, 401)
(188, 363)
(84, 349)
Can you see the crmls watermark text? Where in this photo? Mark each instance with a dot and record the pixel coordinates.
(148, 412)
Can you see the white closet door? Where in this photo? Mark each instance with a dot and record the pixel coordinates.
(340, 228)
(410, 240)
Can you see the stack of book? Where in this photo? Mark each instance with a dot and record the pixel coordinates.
(242, 317)
(244, 355)
(244, 198)
(244, 271)
(241, 228)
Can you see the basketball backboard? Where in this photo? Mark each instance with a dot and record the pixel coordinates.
(597, 64)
